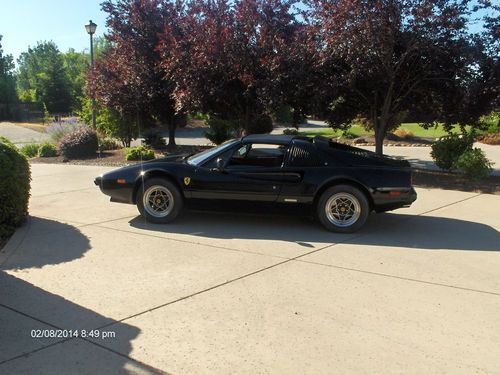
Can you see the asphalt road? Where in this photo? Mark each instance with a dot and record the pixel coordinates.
(417, 291)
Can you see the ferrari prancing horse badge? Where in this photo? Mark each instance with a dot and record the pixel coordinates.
(187, 180)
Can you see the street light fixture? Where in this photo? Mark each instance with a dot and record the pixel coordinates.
(91, 27)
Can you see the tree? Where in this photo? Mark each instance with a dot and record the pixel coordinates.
(127, 78)
(7, 83)
(225, 57)
(43, 77)
(385, 59)
(101, 45)
(195, 55)
(110, 123)
(299, 73)
(75, 64)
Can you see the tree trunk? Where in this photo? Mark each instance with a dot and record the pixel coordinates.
(379, 143)
(380, 129)
(171, 134)
(296, 118)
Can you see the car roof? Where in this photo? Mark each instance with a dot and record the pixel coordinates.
(280, 139)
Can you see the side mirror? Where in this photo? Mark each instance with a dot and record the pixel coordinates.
(219, 165)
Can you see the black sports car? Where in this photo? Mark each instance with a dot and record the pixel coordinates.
(342, 183)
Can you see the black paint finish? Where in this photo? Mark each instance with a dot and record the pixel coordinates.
(307, 166)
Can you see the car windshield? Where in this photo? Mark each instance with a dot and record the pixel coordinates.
(200, 158)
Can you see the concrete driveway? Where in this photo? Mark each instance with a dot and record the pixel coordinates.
(416, 291)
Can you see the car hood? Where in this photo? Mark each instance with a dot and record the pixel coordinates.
(174, 159)
(171, 159)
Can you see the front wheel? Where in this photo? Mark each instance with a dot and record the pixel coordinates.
(159, 200)
(343, 208)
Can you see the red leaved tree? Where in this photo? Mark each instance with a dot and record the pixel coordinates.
(226, 58)
(127, 77)
(389, 59)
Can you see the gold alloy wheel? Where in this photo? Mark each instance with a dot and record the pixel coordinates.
(158, 201)
(342, 209)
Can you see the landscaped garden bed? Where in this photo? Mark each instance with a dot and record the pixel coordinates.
(116, 158)
(425, 178)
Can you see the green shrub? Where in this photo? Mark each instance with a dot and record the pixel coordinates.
(289, 131)
(346, 134)
(110, 122)
(491, 122)
(106, 144)
(154, 139)
(15, 180)
(447, 150)
(197, 116)
(47, 150)
(220, 130)
(474, 164)
(260, 125)
(139, 153)
(82, 142)
(30, 150)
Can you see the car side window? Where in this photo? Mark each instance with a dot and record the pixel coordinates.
(257, 155)
(212, 163)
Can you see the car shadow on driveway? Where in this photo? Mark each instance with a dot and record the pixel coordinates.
(388, 229)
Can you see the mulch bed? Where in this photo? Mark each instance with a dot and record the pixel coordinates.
(489, 139)
(116, 158)
(453, 181)
(112, 158)
(391, 140)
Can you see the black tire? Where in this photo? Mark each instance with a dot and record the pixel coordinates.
(167, 191)
(350, 197)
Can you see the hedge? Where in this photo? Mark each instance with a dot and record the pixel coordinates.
(15, 180)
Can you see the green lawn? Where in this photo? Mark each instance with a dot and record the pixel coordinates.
(357, 130)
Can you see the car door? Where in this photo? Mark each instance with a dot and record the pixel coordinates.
(304, 167)
(251, 172)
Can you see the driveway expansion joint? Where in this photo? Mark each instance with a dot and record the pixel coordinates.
(218, 285)
(400, 277)
(190, 242)
(61, 192)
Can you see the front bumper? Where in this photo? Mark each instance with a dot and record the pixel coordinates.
(120, 193)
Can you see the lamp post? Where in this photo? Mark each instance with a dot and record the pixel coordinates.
(91, 30)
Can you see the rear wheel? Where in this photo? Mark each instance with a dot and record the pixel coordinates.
(343, 208)
(159, 200)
